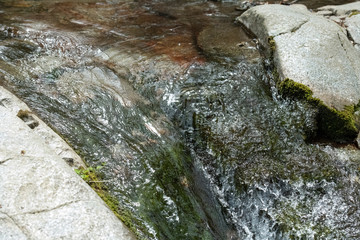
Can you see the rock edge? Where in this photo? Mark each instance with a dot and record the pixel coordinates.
(314, 51)
(41, 197)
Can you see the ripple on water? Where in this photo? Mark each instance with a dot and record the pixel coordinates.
(195, 144)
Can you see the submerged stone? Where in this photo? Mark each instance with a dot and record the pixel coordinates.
(315, 52)
(227, 41)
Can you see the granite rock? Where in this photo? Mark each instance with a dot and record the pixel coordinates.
(41, 196)
(309, 49)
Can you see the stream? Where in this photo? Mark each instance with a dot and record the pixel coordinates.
(176, 106)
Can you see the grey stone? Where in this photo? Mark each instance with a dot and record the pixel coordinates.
(311, 50)
(9, 230)
(344, 9)
(264, 21)
(244, 5)
(338, 19)
(14, 106)
(353, 27)
(64, 222)
(325, 13)
(41, 197)
(227, 41)
(31, 183)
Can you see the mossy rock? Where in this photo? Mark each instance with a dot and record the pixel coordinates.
(333, 124)
(93, 178)
(353, 13)
(292, 218)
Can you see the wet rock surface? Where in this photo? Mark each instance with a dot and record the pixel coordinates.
(41, 197)
(192, 144)
(302, 42)
(227, 41)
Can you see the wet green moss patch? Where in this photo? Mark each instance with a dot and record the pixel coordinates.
(92, 177)
(172, 186)
(335, 125)
(272, 44)
(332, 124)
(353, 13)
(293, 220)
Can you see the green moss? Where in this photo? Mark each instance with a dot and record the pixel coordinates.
(296, 90)
(333, 124)
(353, 13)
(92, 177)
(337, 125)
(272, 44)
(293, 218)
(173, 180)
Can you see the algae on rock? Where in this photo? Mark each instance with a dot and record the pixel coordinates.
(316, 54)
(333, 124)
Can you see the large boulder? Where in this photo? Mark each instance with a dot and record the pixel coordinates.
(347, 15)
(315, 52)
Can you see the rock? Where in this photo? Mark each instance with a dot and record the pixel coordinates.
(244, 5)
(65, 222)
(265, 20)
(325, 13)
(353, 27)
(41, 197)
(227, 41)
(54, 141)
(338, 19)
(348, 16)
(9, 230)
(311, 50)
(303, 41)
(344, 9)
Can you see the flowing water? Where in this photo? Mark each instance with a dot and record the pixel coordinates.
(178, 106)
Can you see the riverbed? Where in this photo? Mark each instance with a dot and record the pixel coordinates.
(176, 107)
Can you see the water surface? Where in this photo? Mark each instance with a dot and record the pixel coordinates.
(178, 106)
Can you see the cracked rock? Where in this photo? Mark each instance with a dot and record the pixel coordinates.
(265, 20)
(9, 230)
(41, 197)
(309, 49)
(64, 223)
(353, 27)
(344, 9)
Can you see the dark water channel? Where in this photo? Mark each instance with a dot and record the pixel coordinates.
(177, 105)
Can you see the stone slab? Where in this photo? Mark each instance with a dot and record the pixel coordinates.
(13, 106)
(41, 197)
